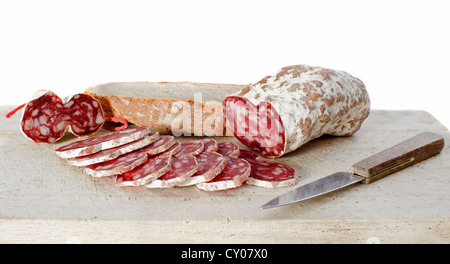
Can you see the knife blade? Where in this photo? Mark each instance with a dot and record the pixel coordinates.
(373, 168)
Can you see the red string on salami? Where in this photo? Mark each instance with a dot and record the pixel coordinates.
(8, 115)
(109, 126)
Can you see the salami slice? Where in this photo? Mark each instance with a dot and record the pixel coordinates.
(110, 154)
(163, 144)
(174, 149)
(133, 159)
(153, 168)
(118, 165)
(299, 103)
(267, 173)
(182, 167)
(228, 149)
(209, 145)
(192, 147)
(210, 164)
(96, 144)
(46, 117)
(248, 155)
(235, 173)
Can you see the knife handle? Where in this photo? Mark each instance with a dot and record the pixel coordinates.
(398, 157)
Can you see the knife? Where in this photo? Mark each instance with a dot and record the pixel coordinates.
(373, 168)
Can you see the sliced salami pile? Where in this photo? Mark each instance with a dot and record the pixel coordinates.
(183, 166)
(140, 157)
(97, 144)
(210, 164)
(112, 153)
(235, 172)
(132, 159)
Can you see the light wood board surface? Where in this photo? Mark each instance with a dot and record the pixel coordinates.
(43, 199)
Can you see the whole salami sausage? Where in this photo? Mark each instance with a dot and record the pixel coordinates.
(299, 103)
(46, 117)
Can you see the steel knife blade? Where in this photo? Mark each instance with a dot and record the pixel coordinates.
(375, 167)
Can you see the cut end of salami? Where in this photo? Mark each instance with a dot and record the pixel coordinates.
(256, 126)
(46, 118)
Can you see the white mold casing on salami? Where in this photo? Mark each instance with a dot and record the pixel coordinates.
(280, 113)
(47, 117)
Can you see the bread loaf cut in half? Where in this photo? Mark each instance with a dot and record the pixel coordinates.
(184, 108)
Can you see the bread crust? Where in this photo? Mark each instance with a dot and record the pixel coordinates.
(181, 116)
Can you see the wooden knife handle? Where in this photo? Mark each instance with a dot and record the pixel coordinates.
(398, 157)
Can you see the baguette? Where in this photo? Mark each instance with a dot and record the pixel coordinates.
(184, 108)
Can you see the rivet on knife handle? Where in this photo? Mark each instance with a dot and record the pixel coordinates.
(398, 157)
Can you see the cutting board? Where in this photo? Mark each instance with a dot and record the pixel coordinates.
(43, 199)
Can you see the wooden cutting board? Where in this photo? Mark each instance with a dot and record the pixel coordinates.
(43, 199)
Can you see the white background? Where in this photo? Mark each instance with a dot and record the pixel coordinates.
(399, 49)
